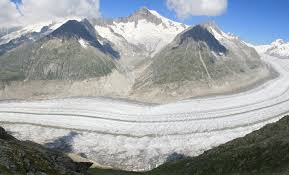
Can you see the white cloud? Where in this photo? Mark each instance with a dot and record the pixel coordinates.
(8, 12)
(46, 10)
(186, 8)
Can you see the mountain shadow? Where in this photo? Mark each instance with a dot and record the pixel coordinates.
(64, 143)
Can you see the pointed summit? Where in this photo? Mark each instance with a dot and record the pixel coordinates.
(214, 29)
(212, 26)
(200, 33)
(142, 13)
(82, 30)
(74, 28)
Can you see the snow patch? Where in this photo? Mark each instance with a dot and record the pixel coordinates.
(220, 35)
(83, 43)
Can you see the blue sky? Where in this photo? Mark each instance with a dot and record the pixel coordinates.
(256, 21)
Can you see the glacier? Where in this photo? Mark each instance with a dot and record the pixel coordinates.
(137, 136)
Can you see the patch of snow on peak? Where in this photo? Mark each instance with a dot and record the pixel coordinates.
(220, 35)
(217, 34)
(52, 25)
(249, 44)
(167, 21)
(83, 43)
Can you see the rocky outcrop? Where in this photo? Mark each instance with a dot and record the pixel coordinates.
(28, 158)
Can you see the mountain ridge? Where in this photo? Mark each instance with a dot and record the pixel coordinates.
(137, 52)
(56, 56)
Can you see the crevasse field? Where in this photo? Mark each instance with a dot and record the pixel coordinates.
(134, 136)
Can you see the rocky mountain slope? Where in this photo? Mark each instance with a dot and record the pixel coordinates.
(25, 157)
(72, 60)
(144, 57)
(71, 52)
(263, 152)
(11, 38)
(201, 60)
(278, 48)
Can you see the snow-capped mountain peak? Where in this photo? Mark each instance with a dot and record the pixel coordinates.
(278, 48)
(145, 29)
(278, 42)
(150, 16)
(143, 13)
(217, 32)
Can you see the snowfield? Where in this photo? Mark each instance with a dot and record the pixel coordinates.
(135, 136)
(146, 34)
(278, 48)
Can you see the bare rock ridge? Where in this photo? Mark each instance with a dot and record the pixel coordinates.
(25, 157)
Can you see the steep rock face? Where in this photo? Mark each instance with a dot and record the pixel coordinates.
(17, 157)
(197, 62)
(72, 52)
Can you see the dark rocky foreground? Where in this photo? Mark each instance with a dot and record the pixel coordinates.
(28, 158)
(263, 152)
